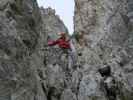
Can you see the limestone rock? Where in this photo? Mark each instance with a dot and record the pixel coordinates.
(30, 70)
(106, 29)
(23, 35)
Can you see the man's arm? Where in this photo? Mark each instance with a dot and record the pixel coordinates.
(52, 43)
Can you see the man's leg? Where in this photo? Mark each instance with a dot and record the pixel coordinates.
(73, 58)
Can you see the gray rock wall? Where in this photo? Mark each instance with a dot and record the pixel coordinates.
(30, 70)
(52, 23)
(23, 35)
(106, 30)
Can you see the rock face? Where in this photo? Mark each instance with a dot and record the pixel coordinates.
(30, 70)
(52, 23)
(105, 30)
(23, 34)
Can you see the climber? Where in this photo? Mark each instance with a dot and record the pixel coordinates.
(66, 46)
(61, 42)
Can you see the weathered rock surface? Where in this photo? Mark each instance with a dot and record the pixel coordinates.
(29, 70)
(106, 30)
(23, 35)
(52, 23)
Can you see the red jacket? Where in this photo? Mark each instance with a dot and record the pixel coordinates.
(61, 42)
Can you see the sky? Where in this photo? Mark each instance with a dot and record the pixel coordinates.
(64, 8)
